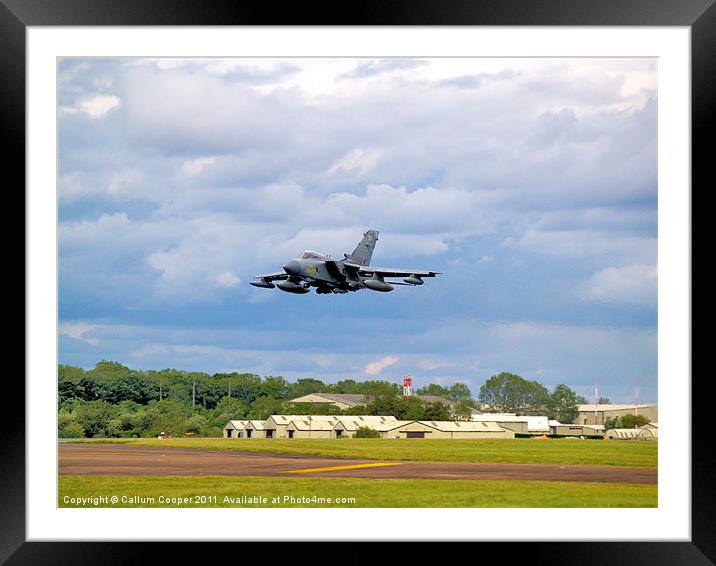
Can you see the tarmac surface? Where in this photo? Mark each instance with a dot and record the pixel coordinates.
(124, 460)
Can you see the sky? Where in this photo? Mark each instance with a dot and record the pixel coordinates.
(531, 184)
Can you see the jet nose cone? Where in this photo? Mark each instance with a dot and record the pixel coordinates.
(292, 267)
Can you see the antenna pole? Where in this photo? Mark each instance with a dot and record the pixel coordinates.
(596, 404)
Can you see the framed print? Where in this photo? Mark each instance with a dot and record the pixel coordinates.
(211, 193)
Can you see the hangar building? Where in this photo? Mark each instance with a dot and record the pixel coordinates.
(254, 429)
(235, 429)
(444, 429)
(527, 424)
(598, 414)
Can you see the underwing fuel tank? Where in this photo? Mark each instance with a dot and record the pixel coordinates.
(262, 283)
(291, 287)
(414, 280)
(378, 285)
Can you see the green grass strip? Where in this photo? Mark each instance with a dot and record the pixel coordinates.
(213, 491)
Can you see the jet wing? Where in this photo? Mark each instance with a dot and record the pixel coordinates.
(369, 271)
(273, 276)
(266, 279)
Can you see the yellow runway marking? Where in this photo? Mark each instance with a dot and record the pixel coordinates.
(351, 467)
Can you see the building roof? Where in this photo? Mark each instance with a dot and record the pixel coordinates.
(350, 399)
(238, 425)
(624, 432)
(390, 425)
(285, 419)
(646, 432)
(354, 399)
(463, 426)
(255, 424)
(353, 422)
(613, 407)
(534, 423)
(300, 424)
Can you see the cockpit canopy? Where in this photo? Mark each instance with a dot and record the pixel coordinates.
(310, 255)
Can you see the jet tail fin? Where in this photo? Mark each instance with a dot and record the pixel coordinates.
(364, 250)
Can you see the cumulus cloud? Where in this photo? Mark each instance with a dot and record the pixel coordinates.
(227, 279)
(77, 330)
(196, 166)
(94, 106)
(374, 368)
(381, 66)
(357, 160)
(630, 284)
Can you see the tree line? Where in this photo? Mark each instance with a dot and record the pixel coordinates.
(116, 401)
(510, 393)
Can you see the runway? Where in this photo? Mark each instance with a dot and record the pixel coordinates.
(124, 460)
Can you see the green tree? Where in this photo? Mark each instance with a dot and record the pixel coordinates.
(462, 411)
(168, 416)
(94, 416)
(227, 409)
(69, 390)
(563, 404)
(508, 392)
(130, 388)
(366, 432)
(305, 386)
(275, 387)
(433, 389)
(436, 411)
(69, 373)
(344, 386)
(378, 387)
(459, 391)
(71, 430)
(209, 391)
(633, 421)
(90, 389)
(411, 409)
(264, 407)
(314, 409)
(109, 371)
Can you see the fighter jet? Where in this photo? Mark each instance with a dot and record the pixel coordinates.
(352, 273)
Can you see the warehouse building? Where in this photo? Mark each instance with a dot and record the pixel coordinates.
(254, 429)
(300, 428)
(235, 429)
(598, 414)
(275, 426)
(649, 431)
(525, 424)
(347, 425)
(444, 429)
(556, 427)
(623, 434)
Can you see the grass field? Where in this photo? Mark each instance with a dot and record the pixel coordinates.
(363, 492)
(512, 451)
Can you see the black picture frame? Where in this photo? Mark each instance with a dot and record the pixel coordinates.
(17, 15)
